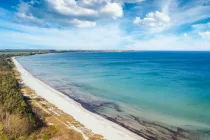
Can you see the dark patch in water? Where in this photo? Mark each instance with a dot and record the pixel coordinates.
(110, 105)
(146, 129)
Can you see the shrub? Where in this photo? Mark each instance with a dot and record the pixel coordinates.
(16, 115)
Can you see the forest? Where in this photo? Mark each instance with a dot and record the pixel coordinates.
(16, 116)
(20, 118)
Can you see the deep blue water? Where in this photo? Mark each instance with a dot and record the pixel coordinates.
(167, 87)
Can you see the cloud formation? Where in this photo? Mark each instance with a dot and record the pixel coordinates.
(171, 42)
(82, 23)
(205, 34)
(109, 24)
(79, 13)
(109, 36)
(153, 20)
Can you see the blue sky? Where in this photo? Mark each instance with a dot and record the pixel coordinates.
(105, 24)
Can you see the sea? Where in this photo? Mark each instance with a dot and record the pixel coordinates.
(155, 94)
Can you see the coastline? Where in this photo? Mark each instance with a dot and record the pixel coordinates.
(94, 122)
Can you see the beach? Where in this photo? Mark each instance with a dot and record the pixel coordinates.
(94, 122)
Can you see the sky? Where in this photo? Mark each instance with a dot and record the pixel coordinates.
(105, 24)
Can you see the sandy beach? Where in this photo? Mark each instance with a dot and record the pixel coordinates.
(94, 122)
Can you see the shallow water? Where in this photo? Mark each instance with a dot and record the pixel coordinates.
(164, 88)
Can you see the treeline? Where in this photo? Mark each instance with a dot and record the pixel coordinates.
(20, 119)
(16, 117)
(7, 54)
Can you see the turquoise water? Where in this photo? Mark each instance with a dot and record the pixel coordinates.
(170, 88)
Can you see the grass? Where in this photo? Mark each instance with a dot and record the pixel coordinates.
(55, 118)
(16, 116)
(26, 116)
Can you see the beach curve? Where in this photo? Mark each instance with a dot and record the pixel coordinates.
(94, 122)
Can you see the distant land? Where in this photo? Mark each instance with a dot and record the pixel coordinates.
(60, 51)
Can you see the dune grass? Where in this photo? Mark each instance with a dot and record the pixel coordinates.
(25, 116)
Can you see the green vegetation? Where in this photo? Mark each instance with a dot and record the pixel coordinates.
(16, 116)
(10, 53)
(22, 118)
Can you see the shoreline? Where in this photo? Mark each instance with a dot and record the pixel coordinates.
(108, 128)
(89, 108)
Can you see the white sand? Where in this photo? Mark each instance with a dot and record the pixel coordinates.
(94, 122)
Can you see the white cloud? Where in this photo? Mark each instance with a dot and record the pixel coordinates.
(201, 27)
(82, 23)
(68, 12)
(137, 20)
(106, 37)
(153, 19)
(26, 18)
(112, 9)
(130, 1)
(22, 36)
(202, 30)
(185, 35)
(69, 8)
(191, 12)
(182, 14)
(93, 3)
(170, 42)
(89, 13)
(188, 36)
(32, 2)
(205, 35)
(168, 6)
